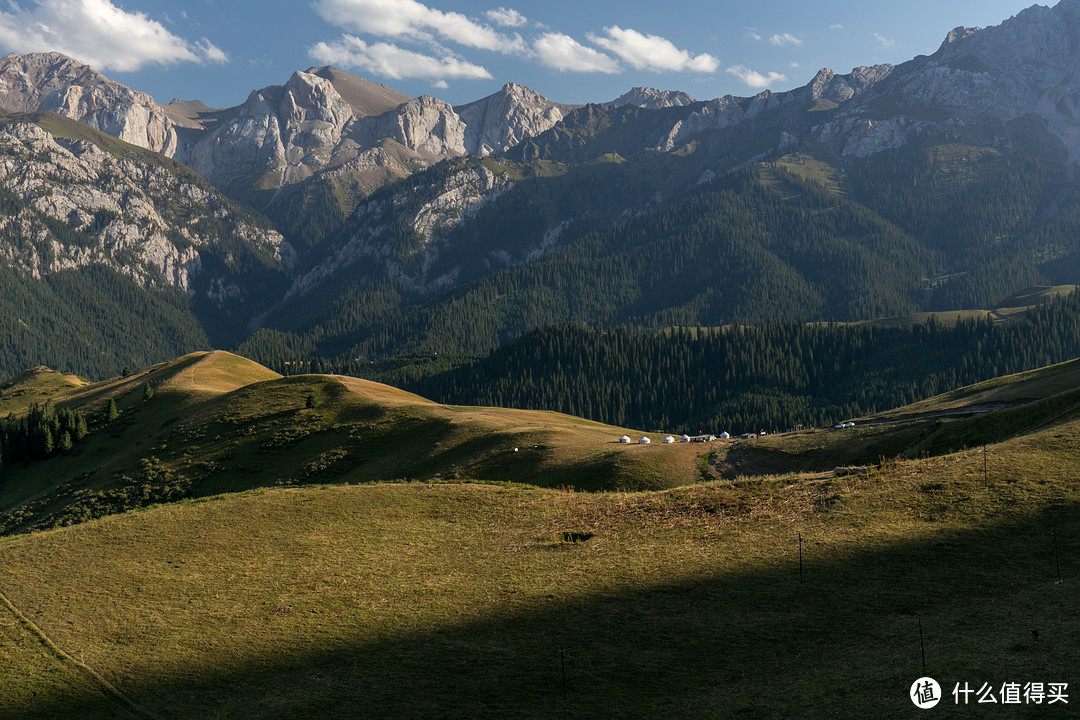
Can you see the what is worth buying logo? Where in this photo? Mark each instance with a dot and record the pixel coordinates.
(925, 692)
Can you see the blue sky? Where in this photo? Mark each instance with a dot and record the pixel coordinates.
(461, 50)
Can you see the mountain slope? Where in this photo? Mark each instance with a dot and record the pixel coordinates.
(76, 198)
(941, 184)
(56, 83)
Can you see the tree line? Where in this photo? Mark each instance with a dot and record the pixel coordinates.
(738, 378)
(42, 433)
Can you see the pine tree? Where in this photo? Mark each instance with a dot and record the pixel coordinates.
(111, 413)
(147, 392)
(47, 444)
(81, 429)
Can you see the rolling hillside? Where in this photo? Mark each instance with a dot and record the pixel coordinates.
(976, 416)
(219, 423)
(800, 594)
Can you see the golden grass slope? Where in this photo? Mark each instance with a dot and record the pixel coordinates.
(459, 601)
(220, 423)
(791, 595)
(983, 414)
(1006, 391)
(36, 386)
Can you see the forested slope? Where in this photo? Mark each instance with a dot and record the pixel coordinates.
(739, 378)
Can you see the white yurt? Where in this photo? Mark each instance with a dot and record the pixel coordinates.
(725, 435)
(625, 439)
(668, 440)
(644, 441)
(685, 438)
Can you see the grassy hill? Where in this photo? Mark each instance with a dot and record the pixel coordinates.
(445, 600)
(799, 594)
(220, 423)
(970, 417)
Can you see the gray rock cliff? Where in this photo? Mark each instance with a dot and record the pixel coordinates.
(143, 220)
(506, 119)
(51, 81)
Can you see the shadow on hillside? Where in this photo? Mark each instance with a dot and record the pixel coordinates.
(843, 643)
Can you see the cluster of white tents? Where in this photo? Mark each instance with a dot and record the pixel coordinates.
(670, 439)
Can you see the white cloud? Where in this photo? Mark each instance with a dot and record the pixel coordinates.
(836, 26)
(210, 52)
(409, 18)
(504, 17)
(99, 33)
(753, 34)
(755, 79)
(391, 61)
(785, 39)
(652, 52)
(884, 41)
(563, 52)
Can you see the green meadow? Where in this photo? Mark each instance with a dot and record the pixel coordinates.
(372, 554)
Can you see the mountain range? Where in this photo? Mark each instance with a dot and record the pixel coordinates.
(333, 216)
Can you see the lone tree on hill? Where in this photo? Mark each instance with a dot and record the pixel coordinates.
(147, 392)
(111, 413)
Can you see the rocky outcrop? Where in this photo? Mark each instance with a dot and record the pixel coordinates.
(505, 119)
(280, 135)
(144, 220)
(55, 82)
(431, 214)
(424, 125)
(720, 114)
(837, 89)
(652, 99)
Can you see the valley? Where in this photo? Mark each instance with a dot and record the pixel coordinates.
(311, 406)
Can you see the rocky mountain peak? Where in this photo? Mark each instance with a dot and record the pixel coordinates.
(55, 82)
(366, 98)
(829, 86)
(972, 87)
(26, 81)
(309, 101)
(507, 118)
(1037, 38)
(425, 124)
(652, 98)
(280, 134)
